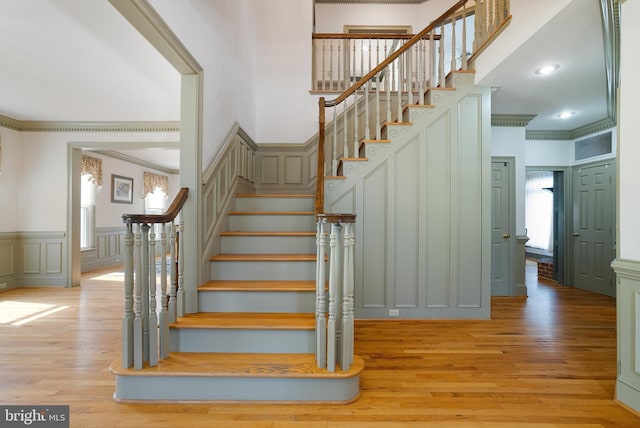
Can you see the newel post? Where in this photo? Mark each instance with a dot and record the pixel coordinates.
(127, 321)
(335, 323)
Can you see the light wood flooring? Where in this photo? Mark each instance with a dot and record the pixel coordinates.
(541, 362)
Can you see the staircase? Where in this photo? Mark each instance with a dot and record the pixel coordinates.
(417, 184)
(255, 320)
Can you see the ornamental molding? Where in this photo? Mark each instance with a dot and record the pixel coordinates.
(583, 131)
(99, 126)
(511, 119)
(626, 268)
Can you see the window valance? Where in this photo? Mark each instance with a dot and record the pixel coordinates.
(93, 167)
(153, 181)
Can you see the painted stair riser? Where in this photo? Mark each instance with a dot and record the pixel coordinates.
(256, 301)
(275, 204)
(254, 341)
(267, 271)
(268, 244)
(271, 223)
(190, 388)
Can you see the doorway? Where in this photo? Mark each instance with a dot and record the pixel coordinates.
(74, 155)
(545, 219)
(502, 226)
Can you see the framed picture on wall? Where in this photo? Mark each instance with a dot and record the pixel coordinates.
(121, 189)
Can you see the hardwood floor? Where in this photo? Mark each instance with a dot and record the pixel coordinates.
(541, 362)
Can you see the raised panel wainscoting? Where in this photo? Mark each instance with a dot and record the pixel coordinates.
(423, 207)
(32, 259)
(109, 249)
(628, 311)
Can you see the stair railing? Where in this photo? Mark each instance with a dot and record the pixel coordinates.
(403, 78)
(335, 323)
(340, 59)
(145, 326)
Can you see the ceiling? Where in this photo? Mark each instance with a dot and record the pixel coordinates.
(573, 39)
(80, 60)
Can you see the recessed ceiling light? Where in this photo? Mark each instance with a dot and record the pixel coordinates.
(566, 114)
(547, 69)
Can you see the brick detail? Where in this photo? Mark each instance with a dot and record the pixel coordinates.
(545, 268)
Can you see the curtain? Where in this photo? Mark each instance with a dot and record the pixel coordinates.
(153, 181)
(539, 209)
(93, 167)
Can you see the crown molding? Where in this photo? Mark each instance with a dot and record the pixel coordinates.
(549, 135)
(106, 126)
(7, 122)
(136, 161)
(592, 128)
(511, 119)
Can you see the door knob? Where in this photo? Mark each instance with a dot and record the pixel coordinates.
(506, 235)
(575, 234)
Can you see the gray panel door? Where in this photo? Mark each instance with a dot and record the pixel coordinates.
(500, 228)
(593, 228)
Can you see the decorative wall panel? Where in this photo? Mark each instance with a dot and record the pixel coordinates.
(423, 210)
(31, 257)
(7, 257)
(269, 170)
(53, 257)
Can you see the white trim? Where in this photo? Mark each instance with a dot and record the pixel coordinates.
(144, 18)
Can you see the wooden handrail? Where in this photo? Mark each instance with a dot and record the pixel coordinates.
(337, 218)
(367, 36)
(421, 35)
(169, 215)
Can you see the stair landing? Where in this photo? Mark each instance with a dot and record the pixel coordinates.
(230, 377)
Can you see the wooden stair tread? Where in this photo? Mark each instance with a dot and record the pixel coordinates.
(354, 159)
(239, 365)
(264, 257)
(247, 320)
(272, 213)
(418, 106)
(275, 233)
(375, 141)
(397, 123)
(238, 285)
